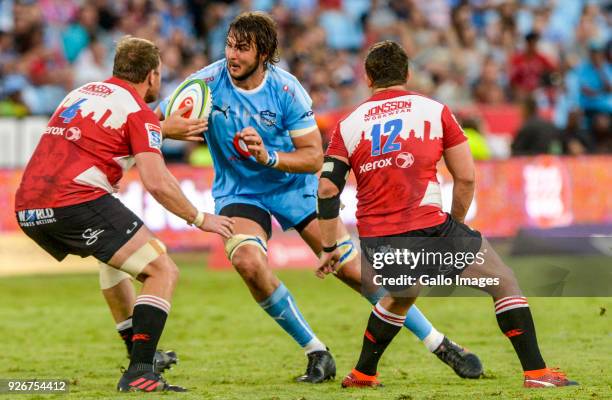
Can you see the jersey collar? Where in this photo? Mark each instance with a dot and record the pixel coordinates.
(124, 84)
(388, 94)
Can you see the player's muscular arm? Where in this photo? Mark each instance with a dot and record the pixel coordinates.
(164, 187)
(307, 157)
(329, 234)
(331, 183)
(178, 128)
(460, 164)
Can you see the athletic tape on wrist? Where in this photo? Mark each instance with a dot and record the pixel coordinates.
(198, 220)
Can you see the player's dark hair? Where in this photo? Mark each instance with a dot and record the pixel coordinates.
(386, 64)
(135, 58)
(259, 28)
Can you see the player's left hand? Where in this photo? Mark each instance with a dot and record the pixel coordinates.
(177, 127)
(328, 263)
(255, 144)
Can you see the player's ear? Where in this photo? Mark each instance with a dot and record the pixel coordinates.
(368, 79)
(150, 77)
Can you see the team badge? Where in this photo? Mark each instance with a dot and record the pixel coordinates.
(155, 136)
(268, 117)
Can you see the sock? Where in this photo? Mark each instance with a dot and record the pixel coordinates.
(382, 328)
(282, 308)
(150, 313)
(126, 332)
(433, 340)
(416, 322)
(515, 321)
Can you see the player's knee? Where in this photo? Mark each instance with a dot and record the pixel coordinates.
(508, 284)
(138, 262)
(326, 189)
(163, 268)
(248, 261)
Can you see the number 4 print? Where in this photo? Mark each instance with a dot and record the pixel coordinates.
(392, 128)
(70, 112)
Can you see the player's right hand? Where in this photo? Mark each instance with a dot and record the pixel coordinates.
(220, 224)
(328, 263)
(175, 126)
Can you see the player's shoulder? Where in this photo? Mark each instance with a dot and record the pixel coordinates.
(114, 94)
(284, 82)
(211, 74)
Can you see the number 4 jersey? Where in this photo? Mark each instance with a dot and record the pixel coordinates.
(89, 141)
(393, 142)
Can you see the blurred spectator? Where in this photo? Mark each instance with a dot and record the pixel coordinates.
(576, 140)
(595, 82)
(11, 102)
(530, 67)
(462, 52)
(93, 64)
(476, 140)
(76, 36)
(601, 129)
(489, 88)
(536, 135)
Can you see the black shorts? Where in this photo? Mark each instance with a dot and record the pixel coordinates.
(445, 249)
(260, 216)
(96, 228)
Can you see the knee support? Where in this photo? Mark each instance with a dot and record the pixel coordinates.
(110, 276)
(143, 256)
(237, 241)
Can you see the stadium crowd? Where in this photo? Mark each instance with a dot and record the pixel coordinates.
(553, 58)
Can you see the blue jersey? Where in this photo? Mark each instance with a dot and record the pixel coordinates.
(279, 109)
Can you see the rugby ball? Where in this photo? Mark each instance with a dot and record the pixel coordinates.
(191, 92)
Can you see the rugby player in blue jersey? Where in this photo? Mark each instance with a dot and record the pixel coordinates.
(266, 149)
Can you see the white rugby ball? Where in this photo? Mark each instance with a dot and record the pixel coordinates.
(191, 92)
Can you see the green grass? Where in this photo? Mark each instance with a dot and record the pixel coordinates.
(59, 327)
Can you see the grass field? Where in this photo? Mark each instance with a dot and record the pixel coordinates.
(59, 327)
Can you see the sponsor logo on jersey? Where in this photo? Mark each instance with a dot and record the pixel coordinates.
(307, 114)
(217, 109)
(386, 109)
(155, 136)
(268, 117)
(73, 134)
(404, 160)
(39, 216)
(96, 89)
(54, 130)
(209, 79)
(372, 165)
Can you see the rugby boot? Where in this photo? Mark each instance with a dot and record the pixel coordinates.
(464, 363)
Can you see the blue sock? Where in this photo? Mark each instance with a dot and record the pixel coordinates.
(415, 320)
(281, 306)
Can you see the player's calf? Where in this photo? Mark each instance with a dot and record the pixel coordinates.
(386, 320)
(515, 320)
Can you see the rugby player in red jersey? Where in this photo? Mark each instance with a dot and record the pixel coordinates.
(393, 142)
(64, 201)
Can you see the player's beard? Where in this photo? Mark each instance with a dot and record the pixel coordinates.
(250, 70)
(151, 95)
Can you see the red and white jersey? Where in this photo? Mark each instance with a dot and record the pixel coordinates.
(88, 144)
(393, 142)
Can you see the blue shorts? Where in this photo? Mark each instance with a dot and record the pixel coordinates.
(290, 205)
